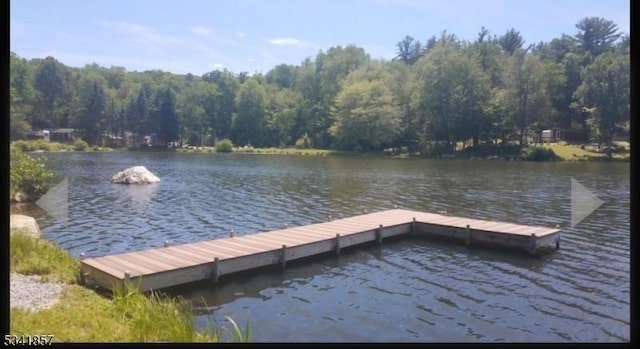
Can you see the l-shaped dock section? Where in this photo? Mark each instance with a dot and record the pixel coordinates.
(168, 266)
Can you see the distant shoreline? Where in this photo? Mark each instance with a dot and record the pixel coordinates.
(563, 152)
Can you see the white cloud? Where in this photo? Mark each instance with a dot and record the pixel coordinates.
(289, 41)
(240, 34)
(200, 30)
(217, 66)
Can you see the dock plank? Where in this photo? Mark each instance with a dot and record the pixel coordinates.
(137, 260)
(184, 250)
(276, 242)
(237, 245)
(291, 238)
(171, 260)
(178, 253)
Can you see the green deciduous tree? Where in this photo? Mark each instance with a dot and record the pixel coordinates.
(282, 112)
(248, 125)
(558, 48)
(604, 94)
(50, 82)
(523, 98)
(451, 96)
(366, 113)
(401, 81)
(331, 69)
(21, 96)
(282, 75)
(224, 101)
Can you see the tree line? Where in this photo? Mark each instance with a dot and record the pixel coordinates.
(430, 96)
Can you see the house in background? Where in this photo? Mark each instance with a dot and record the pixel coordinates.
(60, 135)
(115, 140)
(44, 135)
(63, 135)
(154, 140)
(568, 135)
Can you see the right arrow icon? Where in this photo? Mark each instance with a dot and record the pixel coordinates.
(583, 202)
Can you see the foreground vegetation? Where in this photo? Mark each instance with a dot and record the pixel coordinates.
(28, 176)
(84, 315)
(440, 91)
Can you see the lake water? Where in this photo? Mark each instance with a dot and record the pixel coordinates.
(409, 290)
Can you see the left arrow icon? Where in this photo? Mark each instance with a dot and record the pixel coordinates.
(56, 202)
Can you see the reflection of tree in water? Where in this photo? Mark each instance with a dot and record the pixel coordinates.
(140, 195)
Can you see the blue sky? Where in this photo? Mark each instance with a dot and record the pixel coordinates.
(199, 36)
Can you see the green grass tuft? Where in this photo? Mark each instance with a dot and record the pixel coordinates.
(31, 256)
(81, 315)
(157, 318)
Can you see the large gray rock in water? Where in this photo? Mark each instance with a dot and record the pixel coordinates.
(135, 175)
(24, 225)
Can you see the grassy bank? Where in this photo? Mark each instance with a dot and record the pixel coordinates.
(40, 145)
(293, 151)
(569, 152)
(275, 151)
(564, 152)
(85, 315)
(561, 152)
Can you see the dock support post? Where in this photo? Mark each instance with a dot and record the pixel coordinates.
(413, 227)
(215, 274)
(283, 257)
(337, 244)
(166, 243)
(83, 256)
(127, 280)
(379, 234)
(468, 235)
(558, 242)
(533, 243)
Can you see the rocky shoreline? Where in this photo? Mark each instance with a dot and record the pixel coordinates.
(29, 292)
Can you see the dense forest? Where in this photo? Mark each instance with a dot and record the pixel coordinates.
(433, 94)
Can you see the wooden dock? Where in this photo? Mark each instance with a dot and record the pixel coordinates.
(167, 266)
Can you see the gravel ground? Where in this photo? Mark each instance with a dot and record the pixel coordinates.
(29, 293)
